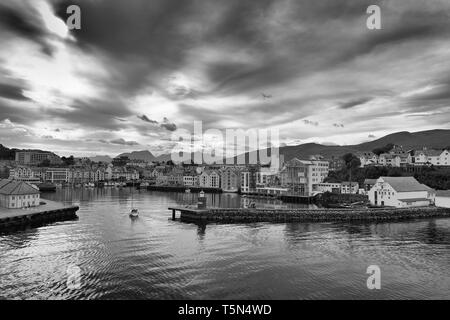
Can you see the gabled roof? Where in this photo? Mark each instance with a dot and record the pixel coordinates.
(405, 184)
(431, 152)
(17, 187)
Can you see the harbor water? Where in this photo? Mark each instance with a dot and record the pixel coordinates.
(153, 257)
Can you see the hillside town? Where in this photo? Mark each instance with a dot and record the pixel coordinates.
(296, 178)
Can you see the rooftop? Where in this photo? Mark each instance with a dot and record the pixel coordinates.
(406, 184)
(17, 187)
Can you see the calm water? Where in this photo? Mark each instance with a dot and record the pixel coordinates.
(156, 258)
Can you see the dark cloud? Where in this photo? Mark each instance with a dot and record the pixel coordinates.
(122, 141)
(311, 123)
(170, 126)
(13, 92)
(94, 113)
(146, 119)
(23, 20)
(354, 103)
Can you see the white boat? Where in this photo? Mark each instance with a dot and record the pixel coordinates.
(134, 213)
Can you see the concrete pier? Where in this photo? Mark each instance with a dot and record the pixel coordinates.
(307, 215)
(34, 216)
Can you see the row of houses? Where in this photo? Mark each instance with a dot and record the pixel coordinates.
(399, 158)
(72, 175)
(296, 177)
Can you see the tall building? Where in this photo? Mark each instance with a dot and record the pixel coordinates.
(300, 176)
(36, 157)
(230, 180)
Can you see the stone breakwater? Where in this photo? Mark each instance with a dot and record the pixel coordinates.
(309, 215)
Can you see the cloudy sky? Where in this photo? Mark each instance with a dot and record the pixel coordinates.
(139, 70)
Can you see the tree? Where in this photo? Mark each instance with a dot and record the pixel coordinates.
(68, 161)
(351, 162)
(384, 149)
(45, 163)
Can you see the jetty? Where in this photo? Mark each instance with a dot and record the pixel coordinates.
(242, 215)
(47, 212)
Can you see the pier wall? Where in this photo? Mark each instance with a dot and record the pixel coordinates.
(311, 215)
(21, 218)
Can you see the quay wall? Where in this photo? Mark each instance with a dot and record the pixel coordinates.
(183, 189)
(39, 218)
(312, 215)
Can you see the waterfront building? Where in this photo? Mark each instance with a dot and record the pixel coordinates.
(190, 179)
(36, 157)
(301, 175)
(249, 179)
(349, 188)
(162, 180)
(25, 174)
(15, 194)
(400, 192)
(442, 198)
(230, 179)
(209, 179)
(333, 187)
(57, 175)
(175, 177)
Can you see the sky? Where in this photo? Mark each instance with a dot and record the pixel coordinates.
(139, 71)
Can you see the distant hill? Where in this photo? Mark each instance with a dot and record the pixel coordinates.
(437, 139)
(408, 140)
(6, 153)
(139, 155)
(106, 159)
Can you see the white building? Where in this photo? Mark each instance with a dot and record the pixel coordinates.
(368, 159)
(349, 188)
(209, 179)
(400, 192)
(15, 194)
(300, 176)
(434, 157)
(442, 199)
(190, 180)
(334, 187)
(57, 175)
